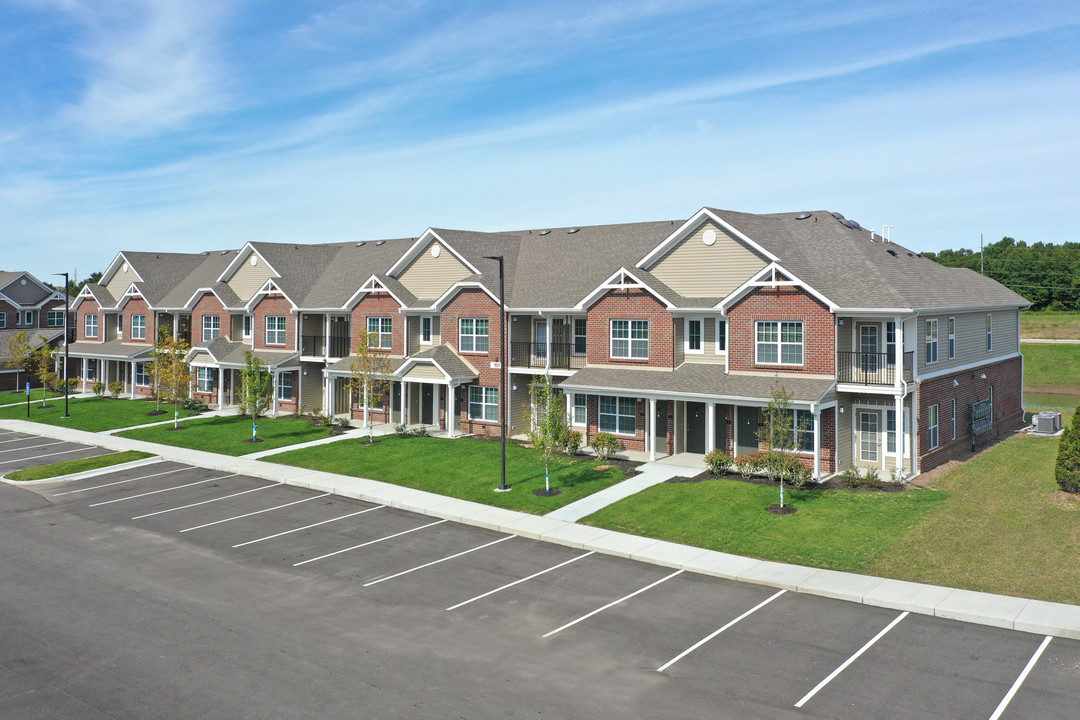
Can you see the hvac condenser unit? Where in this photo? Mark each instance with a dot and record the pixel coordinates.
(1047, 423)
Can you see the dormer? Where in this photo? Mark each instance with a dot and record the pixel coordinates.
(247, 273)
(431, 266)
(119, 276)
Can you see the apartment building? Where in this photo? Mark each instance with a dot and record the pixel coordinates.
(671, 335)
(27, 305)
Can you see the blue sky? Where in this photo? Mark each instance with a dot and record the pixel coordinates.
(186, 125)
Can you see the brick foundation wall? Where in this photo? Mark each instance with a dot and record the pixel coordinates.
(828, 440)
(782, 304)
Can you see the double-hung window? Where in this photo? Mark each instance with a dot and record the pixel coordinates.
(802, 429)
(247, 326)
(780, 343)
(618, 415)
(275, 329)
(989, 332)
(205, 380)
(952, 338)
(56, 318)
(580, 336)
(890, 343)
(954, 418)
(473, 336)
(3, 319)
(138, 327)
(931, 341)
(483, 402)
(932, 427)
(91, 327)
(890, 431)
(721, 336)
(580, 409)
(142, 378)
(211, 327)
(425, 330)
(284, 386)
(695, 342)
(630, 339)
(120, 325)
(28, 317)
(380, 332)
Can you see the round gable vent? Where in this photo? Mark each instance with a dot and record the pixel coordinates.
(125, 268)
(435, 250)
(709, 237)
(254, 260)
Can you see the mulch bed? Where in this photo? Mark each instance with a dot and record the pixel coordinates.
(547, 493)
(152, 413)
(253, 440)
(180, 427)
(786, 510)
(831, 484)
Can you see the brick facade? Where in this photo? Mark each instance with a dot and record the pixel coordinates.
(208, 304)
(780, 304)
(274, 305)
(89, 307)
(379, 304)
(138, 306)
(472, 303)
(630, 305)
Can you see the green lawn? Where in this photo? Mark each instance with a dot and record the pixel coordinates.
(836, 529)
(70, 467)
(1051, 368)
(1048, 324)
(465, 468)
(91, 414)
(19, 396)
(226, 435)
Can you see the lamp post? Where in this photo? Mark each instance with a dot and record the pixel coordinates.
(67, 305)
(503, 487)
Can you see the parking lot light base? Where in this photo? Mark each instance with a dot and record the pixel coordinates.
(502, 489)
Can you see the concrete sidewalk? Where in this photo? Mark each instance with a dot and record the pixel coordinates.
(1035, 616)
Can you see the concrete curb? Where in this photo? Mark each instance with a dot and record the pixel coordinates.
(1035, 616)
(84, 474)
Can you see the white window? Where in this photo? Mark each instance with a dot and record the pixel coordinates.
(721, 336)
(933, 426)
(580, 409)
(890, 344)
(119, 324)
(247, 326)
(28, 317)
(695, 343)
(890, 432)
(473, 335)
(779, 343)
(205, 379)
(91, 370)
(138, 327)
(275, 329)
(91, 326)
(3, 319)
(931, 341)
(952, 338)
(954, 418)
(142, 379)
(483, 402)
(211, 327)
(618, 415)
(56, 318)
(382, 329)
(630, 339)
(802, 425)
(989, 332)
(580, 337)
(425, 330)
(284, 386)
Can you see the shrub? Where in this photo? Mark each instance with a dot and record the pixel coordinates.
(749, 464)
(422, 431)
(115, 388)
(852, 477)
(797, 472)
(72, 385)
(193, 405)
(99, 388)
(1067, 467)
(605, 445)
(873, 479)
(402, 431)
(572, 442)
(718, 463)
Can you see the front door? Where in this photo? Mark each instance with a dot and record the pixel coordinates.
(869, 437)
(695, 427)
(427, 404)
(660, 427)
(746, 437)
(868, 349)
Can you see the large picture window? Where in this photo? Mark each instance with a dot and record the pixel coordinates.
(779, 343)
(381, 328)
(211, 327)
(91, 326)
(275, 329)
(630, 339)
(473, 334)
(618, 415)
(142, 378)
(483, 402)
(931, 342)
(138, 327)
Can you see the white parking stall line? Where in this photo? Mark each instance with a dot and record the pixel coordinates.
(121, 482)
(257, 512)
(365, 544)
(518, 582)
(612, 604)
(713, 634)
(168, 489)
(306, 527)
(1020, 679)
(38, 457)
(851, 659)
(206, 502)
(436, 562)
(32, 447)
(11, 440)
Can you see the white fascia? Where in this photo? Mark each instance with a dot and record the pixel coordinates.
(688, 227)
(421, 242)
(267, 287)
(370, 285)
(610, 284)
(454, 289)
(756, 282)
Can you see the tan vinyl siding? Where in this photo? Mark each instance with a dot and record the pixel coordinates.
(121, 281)
(680, 340)
(970, 338)
(248, 278)
(413, 340)
(28, 294)
(236, 326)
(709, 345)
(424, 372)
(311, 387)
(843, 335)
(429, 277)
(845, 439)
(201, 357)
(521, 330)
(695, 269)
(519, 399)
(436, 330)
(312, 325)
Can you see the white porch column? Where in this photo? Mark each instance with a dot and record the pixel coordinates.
(898, 409)
(451, 420)
(547, 340)
(817, 444)
(85, 367)
(650, 425)
(898, 360)
(326, 335)
(132, 370)
(710, 427)
(329, 401)
(221, 388)
(175, 325)
(275, 406)
(435, 409)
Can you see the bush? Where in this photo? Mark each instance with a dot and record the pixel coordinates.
(1067, 467)
(422, 431)
(115, 388)
(717, 463)
(605, 445)
(750, 464)
(99, 388)
(873, 479)
(72, 385)
(572, 442)
(402, 431)
(797, 472)
(852, 477)
(194, 405)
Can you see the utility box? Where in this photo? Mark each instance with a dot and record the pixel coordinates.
(1047, 422)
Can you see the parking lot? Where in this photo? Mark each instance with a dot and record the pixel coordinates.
(669, 643)
(19, 451)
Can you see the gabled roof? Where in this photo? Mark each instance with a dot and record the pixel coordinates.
(452, 365)
(8, 278)
(230, 354)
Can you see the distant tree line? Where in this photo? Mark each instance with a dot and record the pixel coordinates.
(1047, 275)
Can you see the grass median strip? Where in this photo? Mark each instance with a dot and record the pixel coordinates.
(90, 414)
(464, 468)
(70, 467)
(231, 435)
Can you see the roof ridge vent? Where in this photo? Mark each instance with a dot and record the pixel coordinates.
(572, 230)
(803, 215)
(544, 232)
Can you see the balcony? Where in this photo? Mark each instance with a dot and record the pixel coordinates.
(315, 346)
(862, 368)
(534, 355)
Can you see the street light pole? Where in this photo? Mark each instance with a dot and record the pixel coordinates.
(67, 329)
(503, 404)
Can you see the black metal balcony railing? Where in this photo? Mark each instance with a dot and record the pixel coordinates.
(866, 368)
(534, 355)
(315, 346)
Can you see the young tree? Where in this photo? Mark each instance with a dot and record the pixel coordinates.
(1067, 467)
(170, 370)
(16, 353)
(549, 428)
(369, 375)
(256, 391)
(781, 435)
(43, 360)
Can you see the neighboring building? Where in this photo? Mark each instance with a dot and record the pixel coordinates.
(671, 335)
(27, 305)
